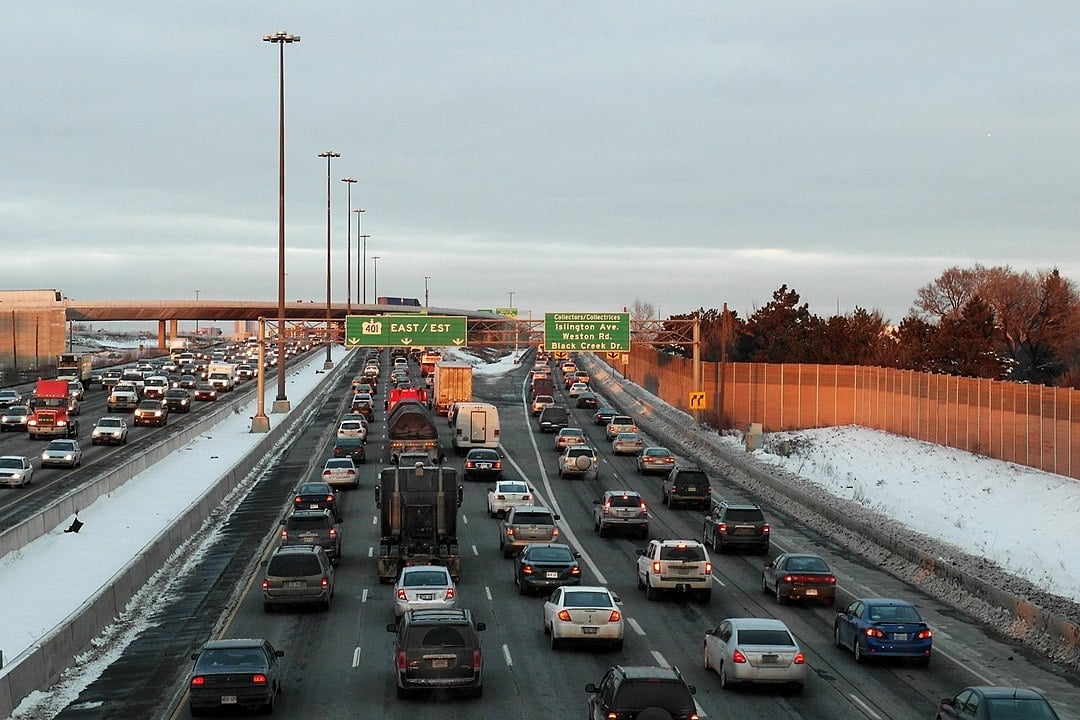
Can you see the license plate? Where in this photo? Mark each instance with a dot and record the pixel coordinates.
(314, 506)
(588, 630)
(439, 663)
(900, 636)
(228, 699)
(691, 488)
(427, 596)
(770, 659)
(294, 584)
(811, 591)
(551, 575)
(484, 466)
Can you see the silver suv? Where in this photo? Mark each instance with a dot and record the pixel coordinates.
(681, 566)
(525, 525)
(623, 510)
(298, 574)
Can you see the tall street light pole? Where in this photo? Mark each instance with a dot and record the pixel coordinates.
(359, 240)
(375, 275)
(197, 317)
(348, 247)
(281, 402)
(363, 264)
(426, 278)
(329, 155)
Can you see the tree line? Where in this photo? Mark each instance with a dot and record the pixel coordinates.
(987, 322)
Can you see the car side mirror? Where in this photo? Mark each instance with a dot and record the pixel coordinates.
(491, 489)
(577, 554)
(556, 517)
(194, 656)
(639, 551)
(591, 688)
(692, 689)
(391, 627)
(596, 501)
(948, 701)
(481, 626)
(279, 653)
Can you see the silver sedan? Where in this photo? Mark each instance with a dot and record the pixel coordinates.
(16, 471)
(755, 650)
(424, 587)
(583, 613)
(62, 453)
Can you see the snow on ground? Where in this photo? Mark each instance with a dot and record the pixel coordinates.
(1018, 517)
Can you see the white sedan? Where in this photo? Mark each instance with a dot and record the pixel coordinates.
(16, 471)
(353, 426)
(584, 613)
(755, 650)
(424, 587)
(507, 494)
(338, 472)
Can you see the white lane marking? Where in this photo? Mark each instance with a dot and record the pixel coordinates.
(487, 591)
(967, 666)
(564, 529)
(718, 581)
(364, 596)
(374, 519)
(464, 518)
(356, 657)
(506, 656)
(660, 659)
(864, 707)
(475, 551)
(634, 624)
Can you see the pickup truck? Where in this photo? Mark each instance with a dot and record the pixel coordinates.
(123, 397)
(525, 525)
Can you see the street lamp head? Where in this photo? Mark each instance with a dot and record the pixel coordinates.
(348, 180)
(281, 37)
(329, 154)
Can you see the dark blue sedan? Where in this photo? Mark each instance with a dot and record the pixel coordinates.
(883, 627)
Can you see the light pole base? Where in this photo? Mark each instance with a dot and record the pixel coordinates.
(327, 365)
(281, 406)
(260, 424)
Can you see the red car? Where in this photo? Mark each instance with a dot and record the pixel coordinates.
(205, 391)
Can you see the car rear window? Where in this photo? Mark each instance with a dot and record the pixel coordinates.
(765, 637)
(693, 478)
(1018, 709)
(691, 553)
(550, 554)
(533, 518)
(306, 523)
(425, 578)
(670, 695)
(744, 515)
(438, 636)
(586, 599)
(293, 566)
(513, 488)
(625, 501)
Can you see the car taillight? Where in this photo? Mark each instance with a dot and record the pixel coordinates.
(299, 499)
(325, 582)
(874, 632)
(401, 659)
(765, 529)
(924, 634)
(327, 473)
(509, 531)
(468, 464)
(708, 568)
(564, 615)
(329, 498)
(576, 570)
(450, 593)
(527, 497)
(265, 584)
(477, 659)
(738, 657)
(527, 570)
(350, 472)
(721, 527)
(198, 681)
(258, 679)
(615, 616)
(788, 578)
(333, 532)
(607, 508)
(800, 659)
(831, 579)
(554, 532)
(498, 464)
(284, 534)
(401, 594)
(656, 566)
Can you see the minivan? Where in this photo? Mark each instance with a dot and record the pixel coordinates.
(553, 418)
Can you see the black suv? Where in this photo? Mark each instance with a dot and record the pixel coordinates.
(627, 690)
(686, 486)
(553, 418)
(438, 649)
(738, 525)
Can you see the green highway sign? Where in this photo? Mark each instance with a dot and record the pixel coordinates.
(406, 330)
(587, 332)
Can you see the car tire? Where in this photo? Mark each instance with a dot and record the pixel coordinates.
(725, 683)
(836, 636)
(522, 590)
(651, 593)
(705, 657)
(780, 598)
(476, 692)
(556, 643)
(856, 650)
(644, 533)
(705, 597)
(640, 583)
(764, 585)
(617, 645)
(402, 693)
(797, 689)
(600, 529)
(326, 605)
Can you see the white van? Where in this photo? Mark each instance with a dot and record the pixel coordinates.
(474, 425)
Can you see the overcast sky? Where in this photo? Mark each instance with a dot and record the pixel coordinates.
(580, 155)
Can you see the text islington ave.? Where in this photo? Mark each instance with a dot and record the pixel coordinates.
(597, 332)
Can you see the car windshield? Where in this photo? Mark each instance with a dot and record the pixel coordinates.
(587, 599)
(691, 553)
(109, 423)
(293, 565)
(665, 694)
(425, 578)
(61, 445)
(512, 488)
(11, 463)
(1019, 709)
(550, 554)
(765, 637)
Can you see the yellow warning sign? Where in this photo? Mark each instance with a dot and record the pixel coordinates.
(697, 401)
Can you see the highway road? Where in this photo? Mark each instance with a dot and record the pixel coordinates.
(339, 662)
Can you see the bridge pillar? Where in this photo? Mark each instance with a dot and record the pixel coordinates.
(162, 345)
(172, 331)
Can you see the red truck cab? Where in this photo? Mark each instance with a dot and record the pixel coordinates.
(52, 410)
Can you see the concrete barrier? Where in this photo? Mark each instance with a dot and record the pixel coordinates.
(41, 664)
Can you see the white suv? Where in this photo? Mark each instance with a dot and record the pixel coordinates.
(681, 566)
